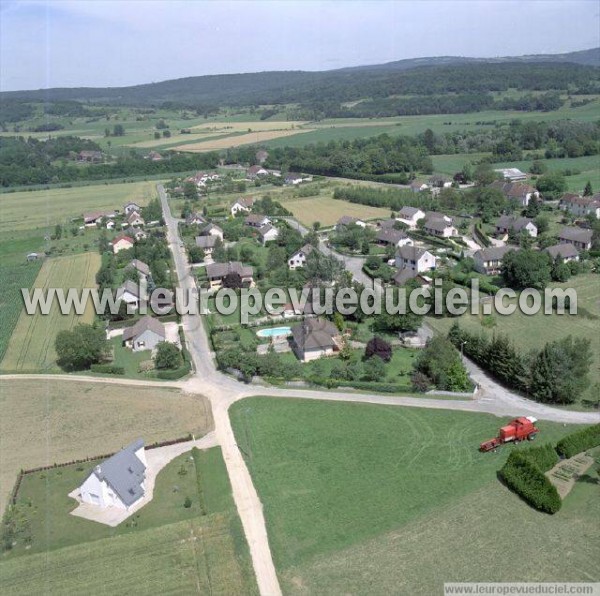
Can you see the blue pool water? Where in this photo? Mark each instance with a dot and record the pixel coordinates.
(274, 332)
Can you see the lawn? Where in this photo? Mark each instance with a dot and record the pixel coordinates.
(349, 490)
(31, 346)
(328, 210)
(58, 421)
(45, 208)
(532, 332)
(164, 548)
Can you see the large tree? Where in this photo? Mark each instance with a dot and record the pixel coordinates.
(80, 347)
(527, 269)
(167, 356)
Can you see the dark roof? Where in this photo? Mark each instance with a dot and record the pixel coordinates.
(254, 218)
(194, 216)
(124, 472)
(314, 333)
(438, 225)
(206, 241)
(217, 270)
(146, 323)
(121, 237)
(386, 224)
(139, 266)
(403, 275)
(411, 253)
(207, 229)
(255, 169)
(564, 251)
(409, 212)
(266, 229)
(346, 220)
(306, 249)
(576, 234)
(390, 236)
(130, 286)
(436, 215)
(512, 189)
(510, 222)
(494, 253)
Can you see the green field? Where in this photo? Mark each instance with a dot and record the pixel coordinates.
(531, 332)
(361, 498)
(31, 345)
(163, 548)
(45, 208)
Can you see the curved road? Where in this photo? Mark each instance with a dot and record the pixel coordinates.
(222, 391)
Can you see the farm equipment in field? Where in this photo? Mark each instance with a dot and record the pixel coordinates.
(519, 429)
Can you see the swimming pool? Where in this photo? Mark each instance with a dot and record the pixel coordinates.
(274, 332)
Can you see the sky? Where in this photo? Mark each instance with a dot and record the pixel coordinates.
(80, 43)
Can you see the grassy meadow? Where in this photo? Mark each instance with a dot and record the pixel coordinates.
(164, 547)
(31, 346)
(533, 331)
(352, 491)
(58, 421)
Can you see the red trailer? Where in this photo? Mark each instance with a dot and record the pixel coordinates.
(519, 429)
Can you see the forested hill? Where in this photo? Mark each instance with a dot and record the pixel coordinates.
(425, 76)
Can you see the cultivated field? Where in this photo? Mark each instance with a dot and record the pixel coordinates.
(237, 140)
(327, 210)
(31, 346)
(167, 548)
(532, 332)
(45, 208)
(375, 499)
(44, 422)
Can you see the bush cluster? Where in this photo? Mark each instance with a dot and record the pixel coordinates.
(109, 369)
(523, 476)
(579, 441)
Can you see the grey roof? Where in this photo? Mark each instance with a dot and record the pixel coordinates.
(139, 266)
(124, 472)
(386, 224)
(255, 218)
(411, 253)
(130, 286)
(564, 251)
(390, 236)
(436, 215)
(408, 212)
(403, 275)
(346, 220)
(494, 253)
(509, 222)
(146, 323)
(206, 241)
(194, 216)
(576, 234)
(314, 334)
(306, 249)
(266, 229)
(217, 270)
(438, 225)
(209, 228)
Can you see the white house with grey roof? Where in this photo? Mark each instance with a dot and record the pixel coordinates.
(145, 334)
(410, 216)
(117, 481)
(298, 259)
(489, 260)
(415, 258)
(268, 233)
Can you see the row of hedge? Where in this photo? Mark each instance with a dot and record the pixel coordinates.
(464, 279)
(200, 488)
(524, 477)
(108, 369)
(579, 441)
(331, 383)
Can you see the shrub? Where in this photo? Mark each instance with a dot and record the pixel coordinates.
(187, 503)
(523, 477)
(173, 375)
(109, 369)
(543, 456)
(579, 441)
(378, 347)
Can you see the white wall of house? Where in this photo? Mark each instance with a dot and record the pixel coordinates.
(424, 263)
(97, 492)
(270, 235)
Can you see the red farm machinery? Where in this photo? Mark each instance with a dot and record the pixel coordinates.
(519, 429)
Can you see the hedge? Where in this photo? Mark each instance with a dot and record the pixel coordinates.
(523, 477)
(197, 466)
(543, 456)
(331, 383)
(109, 369)
(173, 375)
(579, 441)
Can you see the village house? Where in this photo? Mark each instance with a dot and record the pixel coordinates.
(195, 219)
(130, 208)
(507, 223)
(136, 233)
(512, 174)
(261, 156)
(410, 216)
(402, 276)
(294, 178)
(121, 242)
(298, 259)
(581, 206)
(212, 229)
(392, 237)
(216, 272)
(110, 225)
(90, 156)
(242, 205)
(580, 238)
(314, 338)
(145, 334)
(439, 227)
(516, 191)
(254, 220)
(489, 260)
(93, 218)
(154, 156)
(135, 220)
(33, 256)
(207, 243)
(139, 266)
(417, 259)
(563, 252)
(346, 220)
(268, 233)
(254, 172)
(118, 481)
(131, 294)
(418, 186)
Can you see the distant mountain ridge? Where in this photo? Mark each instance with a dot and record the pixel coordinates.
(337, 85)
